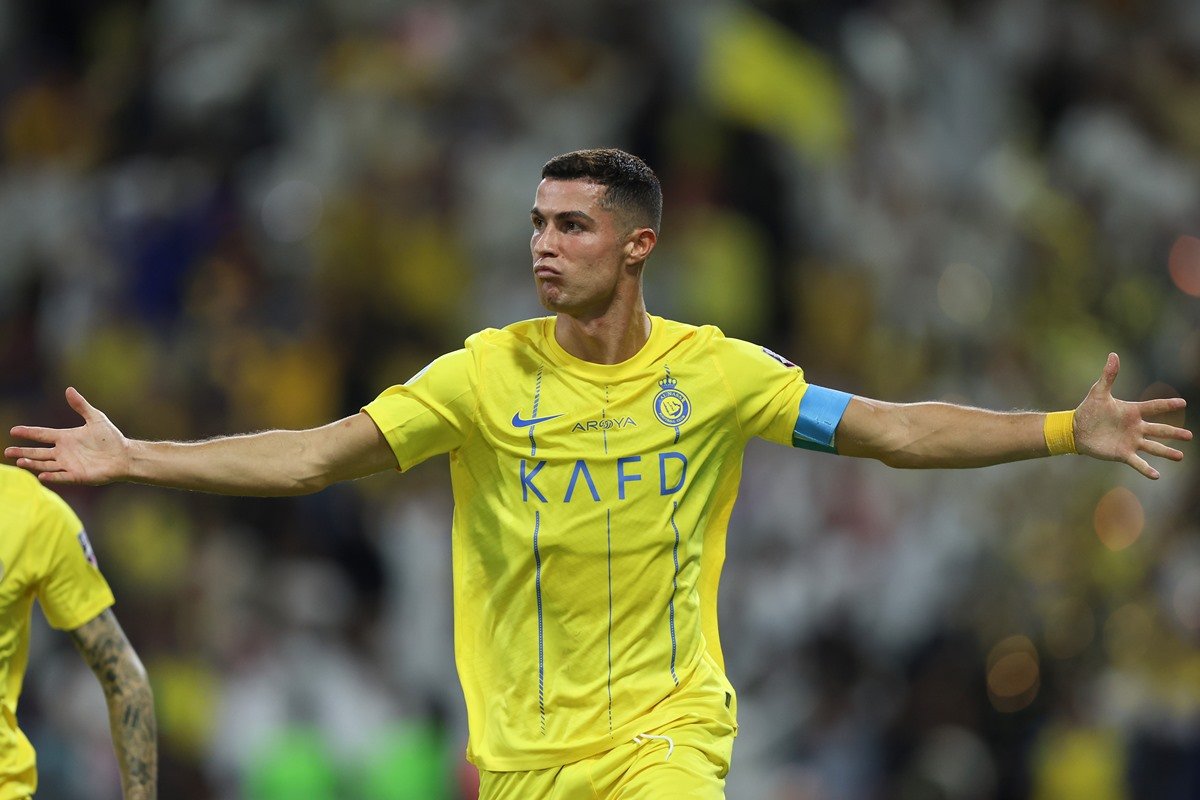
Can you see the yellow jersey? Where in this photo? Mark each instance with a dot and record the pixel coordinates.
(591, 506)
(44, 554)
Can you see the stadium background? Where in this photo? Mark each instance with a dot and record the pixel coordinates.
(228, 215)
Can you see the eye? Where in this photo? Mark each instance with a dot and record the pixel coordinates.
(572, 227)
(538, 223)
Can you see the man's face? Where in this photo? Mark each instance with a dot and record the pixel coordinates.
(579, 249)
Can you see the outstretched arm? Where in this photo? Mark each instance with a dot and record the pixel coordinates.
(926, 435)
(269, 463)
(104, 647)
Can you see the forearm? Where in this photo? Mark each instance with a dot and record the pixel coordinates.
(134, 734)
(107, 651)
(270, 463)
(940, 435)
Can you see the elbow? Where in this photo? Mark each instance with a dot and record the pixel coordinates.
(309, 471)
(903, 461)
(310, 483)
(137, 675)
(900, 451)
(130, 686)
(880, 431)
(897, 456)
(894, 449)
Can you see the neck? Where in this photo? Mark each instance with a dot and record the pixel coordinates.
(606, 339)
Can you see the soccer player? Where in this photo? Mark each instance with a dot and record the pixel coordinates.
(45, 553)
(595, 456)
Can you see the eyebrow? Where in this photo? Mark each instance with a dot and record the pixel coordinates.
(562, 215)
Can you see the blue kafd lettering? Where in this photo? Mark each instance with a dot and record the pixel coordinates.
(581, 468)
(527, 482)
(663, 489)
(672, 476)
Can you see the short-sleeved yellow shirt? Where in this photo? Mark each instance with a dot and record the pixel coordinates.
(44, 554)
(591, 506)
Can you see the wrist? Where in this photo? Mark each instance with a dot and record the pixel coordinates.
(133, 465)
(1059, 432)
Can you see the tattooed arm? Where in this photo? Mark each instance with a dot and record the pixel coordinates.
(104, 647)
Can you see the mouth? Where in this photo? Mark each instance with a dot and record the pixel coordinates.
(544, 272)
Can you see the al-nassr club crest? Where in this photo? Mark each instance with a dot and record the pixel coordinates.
(671, 406)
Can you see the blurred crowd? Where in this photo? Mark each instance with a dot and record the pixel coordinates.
(227, 215)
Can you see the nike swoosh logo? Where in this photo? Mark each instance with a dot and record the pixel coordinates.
(525, 423)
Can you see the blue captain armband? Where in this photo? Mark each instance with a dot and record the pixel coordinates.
(821, 410)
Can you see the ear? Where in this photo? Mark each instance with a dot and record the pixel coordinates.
(639, 244)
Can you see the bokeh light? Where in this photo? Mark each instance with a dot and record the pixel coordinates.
(291, 210)
(1184, 264)
(1013, 674)
(965, 294)
(1119, 518)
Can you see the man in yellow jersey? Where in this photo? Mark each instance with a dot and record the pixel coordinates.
(595, 457)
(45, 554)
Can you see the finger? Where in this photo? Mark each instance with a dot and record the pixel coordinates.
(1165, 405)
(1109, 374)
(39, 465)
(43, 435)
(1161, 450)
(61, 477)
(1139, 463)
(1160, 431)
(82, 407)
(33, 453)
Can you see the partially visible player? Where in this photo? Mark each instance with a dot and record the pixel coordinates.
(45, 554)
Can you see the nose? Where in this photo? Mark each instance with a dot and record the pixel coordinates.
(544, 242)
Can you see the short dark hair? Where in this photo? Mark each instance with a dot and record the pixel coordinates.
(631, 187)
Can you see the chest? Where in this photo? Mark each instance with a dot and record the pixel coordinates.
(554, 415)
(557, 439)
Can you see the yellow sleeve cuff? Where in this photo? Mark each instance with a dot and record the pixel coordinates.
(1060, 432)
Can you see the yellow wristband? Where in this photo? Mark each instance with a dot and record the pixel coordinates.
(1059, 431)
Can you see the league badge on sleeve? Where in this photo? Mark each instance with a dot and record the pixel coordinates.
(88, 552)
(779, 358)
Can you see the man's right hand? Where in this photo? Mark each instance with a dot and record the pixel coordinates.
(94, 453)
(264, 464)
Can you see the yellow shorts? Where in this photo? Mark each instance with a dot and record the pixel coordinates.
(686, 759)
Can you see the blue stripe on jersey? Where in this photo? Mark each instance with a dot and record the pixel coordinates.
(821, 410)
(537, 396)
(674, 589)
(537, 558)
(608, 525)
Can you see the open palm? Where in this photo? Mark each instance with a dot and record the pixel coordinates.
(1119, 430)
(94, 453)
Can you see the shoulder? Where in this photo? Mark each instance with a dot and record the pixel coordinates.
(676, 330)
(515, 336)
(22, 491)
(674, 339)
(750, 358)
(27, 506)
(15, 482)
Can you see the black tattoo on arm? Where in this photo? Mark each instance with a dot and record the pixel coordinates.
(126, 686)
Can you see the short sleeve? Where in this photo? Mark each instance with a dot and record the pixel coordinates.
(432, 413)
(72, 591)
(773, 399)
